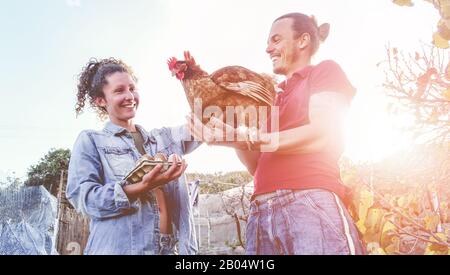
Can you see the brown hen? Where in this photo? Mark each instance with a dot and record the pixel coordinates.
(229, 86)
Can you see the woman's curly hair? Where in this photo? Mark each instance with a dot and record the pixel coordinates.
(92, 80)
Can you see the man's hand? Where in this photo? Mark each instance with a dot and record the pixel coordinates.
(215, 132)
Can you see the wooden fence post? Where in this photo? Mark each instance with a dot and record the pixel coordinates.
(73, 228)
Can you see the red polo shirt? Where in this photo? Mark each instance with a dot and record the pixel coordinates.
(304, 171)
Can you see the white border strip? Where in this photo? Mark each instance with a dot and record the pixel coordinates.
(351, 244)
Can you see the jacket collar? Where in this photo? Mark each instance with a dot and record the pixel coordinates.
(118, 131)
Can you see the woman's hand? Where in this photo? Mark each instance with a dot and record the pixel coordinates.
(156, 177)
(215, 132)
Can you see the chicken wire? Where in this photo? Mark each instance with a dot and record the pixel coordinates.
(27, 219)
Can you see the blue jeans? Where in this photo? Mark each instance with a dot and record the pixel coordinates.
(295, 222)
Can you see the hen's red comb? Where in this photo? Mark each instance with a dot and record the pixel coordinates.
(171, 62)
(188, 58)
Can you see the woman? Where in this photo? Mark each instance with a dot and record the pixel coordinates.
(127, 219)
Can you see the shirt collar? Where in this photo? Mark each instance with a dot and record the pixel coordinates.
(147, 136)
(115, 129)
(301, 73)
(118, 130)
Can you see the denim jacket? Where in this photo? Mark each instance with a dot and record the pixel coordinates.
(98, 164)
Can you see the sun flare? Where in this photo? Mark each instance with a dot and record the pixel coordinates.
(372, 133)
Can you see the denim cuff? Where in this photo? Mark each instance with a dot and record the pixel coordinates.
(167, 244)
(120, 198)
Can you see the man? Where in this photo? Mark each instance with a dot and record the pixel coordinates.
(297, 204)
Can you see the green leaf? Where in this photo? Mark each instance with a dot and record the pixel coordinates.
(406, 3)
(365, 202)
(437, 249)
(439, 41)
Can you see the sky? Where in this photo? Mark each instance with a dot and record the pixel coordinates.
(46, 43)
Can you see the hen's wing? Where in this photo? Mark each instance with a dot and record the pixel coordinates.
(236, 79)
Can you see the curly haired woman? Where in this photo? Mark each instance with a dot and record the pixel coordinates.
(128, 218)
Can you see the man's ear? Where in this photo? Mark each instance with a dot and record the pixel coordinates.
(100, 101)
(303, 41)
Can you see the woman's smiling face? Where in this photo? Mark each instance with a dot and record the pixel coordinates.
(121, 98)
